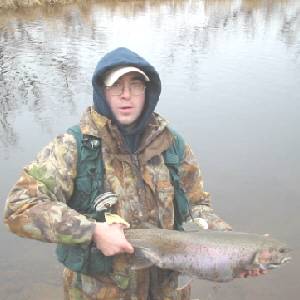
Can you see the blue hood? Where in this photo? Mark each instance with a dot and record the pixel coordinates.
(125, 57)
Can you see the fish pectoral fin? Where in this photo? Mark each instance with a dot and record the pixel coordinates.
(140, 261)
(183, 281)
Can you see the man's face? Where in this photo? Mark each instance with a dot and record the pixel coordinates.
(126, 98)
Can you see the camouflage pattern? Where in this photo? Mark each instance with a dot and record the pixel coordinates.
(155, 284)
(37, 206)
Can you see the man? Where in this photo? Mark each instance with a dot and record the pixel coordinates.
(118, 154)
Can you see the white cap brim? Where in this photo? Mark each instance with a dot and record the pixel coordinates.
(116, 73)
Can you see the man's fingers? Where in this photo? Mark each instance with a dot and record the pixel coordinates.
(123, 226)
(128, 248)
(252, 273)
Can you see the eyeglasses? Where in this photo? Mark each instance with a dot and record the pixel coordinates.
(136, 88)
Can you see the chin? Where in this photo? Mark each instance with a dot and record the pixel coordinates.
(126, 122)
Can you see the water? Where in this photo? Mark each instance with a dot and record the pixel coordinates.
(231, 86)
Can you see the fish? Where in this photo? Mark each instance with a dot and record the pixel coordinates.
(217, 256)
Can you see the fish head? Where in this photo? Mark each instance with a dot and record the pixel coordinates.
(272, 255)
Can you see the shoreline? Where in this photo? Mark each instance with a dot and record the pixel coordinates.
(19, 4)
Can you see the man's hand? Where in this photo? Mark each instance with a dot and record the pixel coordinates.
(110, 239)
(252, 273)
(218, 224)
(214, 221)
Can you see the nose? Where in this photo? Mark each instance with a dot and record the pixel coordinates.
(126, 93)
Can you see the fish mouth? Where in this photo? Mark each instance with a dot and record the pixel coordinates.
(275, 265)
(286, 260)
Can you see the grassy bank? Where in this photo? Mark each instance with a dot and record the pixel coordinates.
(14, 4)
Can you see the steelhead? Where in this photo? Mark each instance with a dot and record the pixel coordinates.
(206, 254)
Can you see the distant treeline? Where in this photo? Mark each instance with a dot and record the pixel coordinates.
(30, 3)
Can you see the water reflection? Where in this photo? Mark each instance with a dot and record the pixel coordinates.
(240, 58)
(44, 53)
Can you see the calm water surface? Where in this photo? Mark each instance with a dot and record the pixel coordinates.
(231, 85)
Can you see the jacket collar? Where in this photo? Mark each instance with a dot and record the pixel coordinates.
(156, 138)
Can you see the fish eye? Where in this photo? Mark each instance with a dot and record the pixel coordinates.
(284, 250)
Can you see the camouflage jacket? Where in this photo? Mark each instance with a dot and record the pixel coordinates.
(37, 206)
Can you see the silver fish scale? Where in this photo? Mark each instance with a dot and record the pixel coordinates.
(211, 255)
